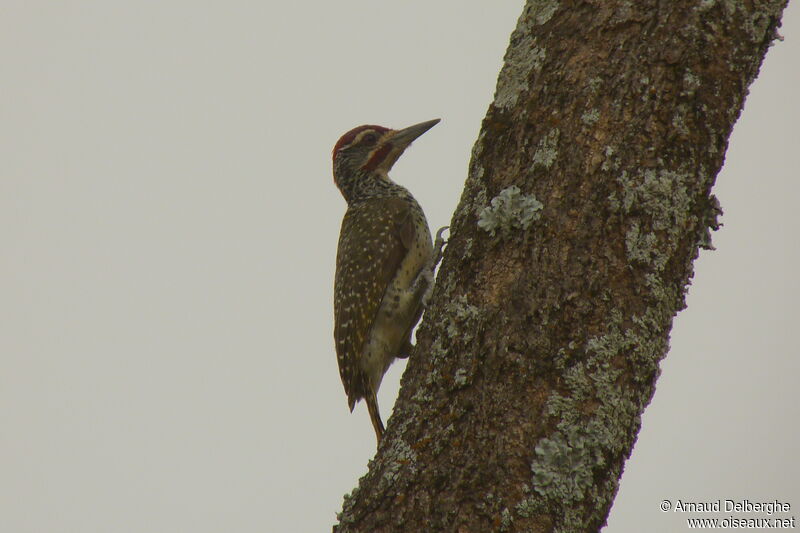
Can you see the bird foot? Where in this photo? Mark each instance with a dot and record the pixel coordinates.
(406, 350)
(426, 274)
(438, 246)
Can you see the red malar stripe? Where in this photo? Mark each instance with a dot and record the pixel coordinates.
(377, 157)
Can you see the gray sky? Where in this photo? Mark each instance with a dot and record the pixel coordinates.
(169, 224)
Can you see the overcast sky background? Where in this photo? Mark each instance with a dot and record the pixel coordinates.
(169, 225)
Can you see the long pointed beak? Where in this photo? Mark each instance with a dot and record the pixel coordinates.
(406, 136)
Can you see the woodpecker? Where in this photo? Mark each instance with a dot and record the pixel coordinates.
(384, 262)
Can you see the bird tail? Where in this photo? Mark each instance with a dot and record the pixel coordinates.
(375, 415)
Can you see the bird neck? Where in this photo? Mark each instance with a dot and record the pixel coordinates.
(371, 185)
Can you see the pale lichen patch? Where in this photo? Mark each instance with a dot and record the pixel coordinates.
(520, 61)
(547, 149)
(590, 117)
(544, 11)
(509, 211)
(524, 56)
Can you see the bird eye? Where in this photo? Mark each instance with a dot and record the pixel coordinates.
(369, 138)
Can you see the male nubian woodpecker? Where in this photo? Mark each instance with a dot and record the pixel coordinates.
(384, 262)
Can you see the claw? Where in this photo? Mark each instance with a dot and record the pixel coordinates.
(438, 246)
(426, 274)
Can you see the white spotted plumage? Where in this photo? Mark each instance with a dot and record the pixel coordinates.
(384, 245)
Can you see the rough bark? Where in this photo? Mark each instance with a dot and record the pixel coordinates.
(587, 199)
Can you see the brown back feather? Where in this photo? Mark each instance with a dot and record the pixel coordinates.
(374, 239)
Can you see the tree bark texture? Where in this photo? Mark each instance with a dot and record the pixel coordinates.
(587, 200)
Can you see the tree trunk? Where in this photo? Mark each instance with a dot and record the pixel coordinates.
(587, 199)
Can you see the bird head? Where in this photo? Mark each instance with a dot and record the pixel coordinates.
(364, 155)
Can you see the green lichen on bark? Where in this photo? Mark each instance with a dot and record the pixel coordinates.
(509, 211)
(590, 116)
(547, 149)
